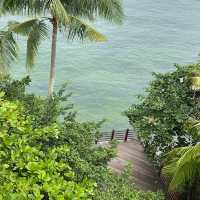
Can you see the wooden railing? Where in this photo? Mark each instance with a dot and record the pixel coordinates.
(117, 135)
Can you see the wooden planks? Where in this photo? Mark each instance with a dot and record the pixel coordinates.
(144, 175)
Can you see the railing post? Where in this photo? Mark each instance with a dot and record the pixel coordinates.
(126, 135)
(112, 135)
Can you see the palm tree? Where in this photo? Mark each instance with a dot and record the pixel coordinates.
(182, 166)
(66, 16)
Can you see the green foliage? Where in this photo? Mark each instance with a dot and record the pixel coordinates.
(81, 30)
(35, 30)
(43, 143)
(44, 111)
(165, 115)
(110, 10)
(120, 187)
(30, 170)
(182, 167)
(46, 154)
(8, 49)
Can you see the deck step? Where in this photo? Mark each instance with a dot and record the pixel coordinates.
(144, 175)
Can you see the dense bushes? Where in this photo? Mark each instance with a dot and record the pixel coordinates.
(164, 118)
(42, 158)
(43, 110)
(167, 118)
(46, 154)
(29, 169)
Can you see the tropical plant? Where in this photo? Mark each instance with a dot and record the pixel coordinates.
(182, 167)
(54, 158)
(84, 157)
(30, 170)
(166, 113)
(46, 159)
(44, 110)
(65, 16)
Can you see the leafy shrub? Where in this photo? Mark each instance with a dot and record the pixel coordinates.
(163, 117)
(83, 157)
(43, 110)
(86, 158)
(46, 154)
(85, 162)
(29, 170)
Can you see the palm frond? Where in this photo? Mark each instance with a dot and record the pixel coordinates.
(24, 6)
(169, 169)
(36, 30)
(189, 155)
(175, 154)
(38, 34)
(111, 10)
(79, 29)
(183, 169)
(8, 50)
(22, 28)
(182, 175)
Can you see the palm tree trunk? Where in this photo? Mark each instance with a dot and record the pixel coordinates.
(53, 58)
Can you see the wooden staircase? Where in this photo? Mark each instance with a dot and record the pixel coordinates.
(131, 151)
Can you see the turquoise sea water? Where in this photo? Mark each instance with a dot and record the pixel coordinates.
(106, 77)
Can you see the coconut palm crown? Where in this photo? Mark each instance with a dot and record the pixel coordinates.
(65, 16)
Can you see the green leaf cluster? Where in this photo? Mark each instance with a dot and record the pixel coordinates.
(46, 154)
(45, 159)
(165, 115)
(30, 170)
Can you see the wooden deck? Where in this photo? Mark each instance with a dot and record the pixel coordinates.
(144, 175)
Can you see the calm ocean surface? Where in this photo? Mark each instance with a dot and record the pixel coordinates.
(106, 77)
